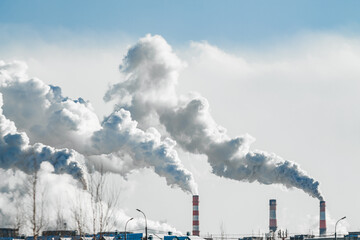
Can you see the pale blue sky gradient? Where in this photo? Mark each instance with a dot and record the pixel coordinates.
(220, 22)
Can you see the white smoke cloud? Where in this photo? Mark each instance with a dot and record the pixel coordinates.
(48, 121)
(11, 190)
(42, 111)
(16, 152)
(48, 117)
(120, 133)
(126, 140)
(188, 120)
(61, 196)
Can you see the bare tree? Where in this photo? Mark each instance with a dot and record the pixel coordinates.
(19, 217)
(60, 219)
(37, 203)
(108, 200)
(79, 215)
(94, 190)
(222, 231)
(104, 201)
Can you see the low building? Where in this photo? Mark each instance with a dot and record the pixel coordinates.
(9, 233)
(302, 237)
(326, 238)
(171, 237)
(129, 236)
(352, 236)
(60, 233)
(251, 238)
(72, 235)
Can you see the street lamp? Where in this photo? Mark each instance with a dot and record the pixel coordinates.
(126, 225)
(145, 222)
(337, 223)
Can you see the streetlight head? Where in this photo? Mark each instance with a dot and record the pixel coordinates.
(138, 210)
(343, 218)
(131, 219)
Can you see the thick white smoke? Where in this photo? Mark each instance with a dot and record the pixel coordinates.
(62, 198)
(47, 117)
(62, 137)
(43, 112)
(148, 91)
(17, 153)
(44, 116)
(119, 133)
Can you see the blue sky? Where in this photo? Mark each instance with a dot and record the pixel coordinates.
(221, 22)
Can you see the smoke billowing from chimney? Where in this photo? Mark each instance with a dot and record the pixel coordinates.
(16, 152)
(62, 195)
(39, 125)
(148, 91)
(146, 148)
(45, 116)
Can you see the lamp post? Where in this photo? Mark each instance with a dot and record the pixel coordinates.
(337, 223)
(145, 222)
(126, 225)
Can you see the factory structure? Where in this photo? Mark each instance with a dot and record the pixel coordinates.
(272, 215)
(196, 223)
(273, 234)
(322, 229)
(12, 234)
(273, 220)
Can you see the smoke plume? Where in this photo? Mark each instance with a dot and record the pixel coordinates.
(16, 152)
(148, 91)
(120, 133)
(62, 198)
(46, 116)
(40, 130)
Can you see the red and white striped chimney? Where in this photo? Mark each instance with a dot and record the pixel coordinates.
(322, 218)
(196, 230)
(272, 219)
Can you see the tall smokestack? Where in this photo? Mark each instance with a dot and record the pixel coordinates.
(272, 220)
(322, 218)
(196, 230)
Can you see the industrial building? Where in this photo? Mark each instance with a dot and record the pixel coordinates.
(272, 216)
(251, 238)
(272, 234)
(349, 236)
(352, 236)
(322, 229)
(9, 232)
(69, 235)
(60, 233)
(196, 221)
(301, 237)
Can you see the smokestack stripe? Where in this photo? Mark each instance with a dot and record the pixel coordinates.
(272, 217)
(196, 223)
(322, 218)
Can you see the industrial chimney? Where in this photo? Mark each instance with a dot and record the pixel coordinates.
(322, 218)
(196, 231)
(272, 220)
